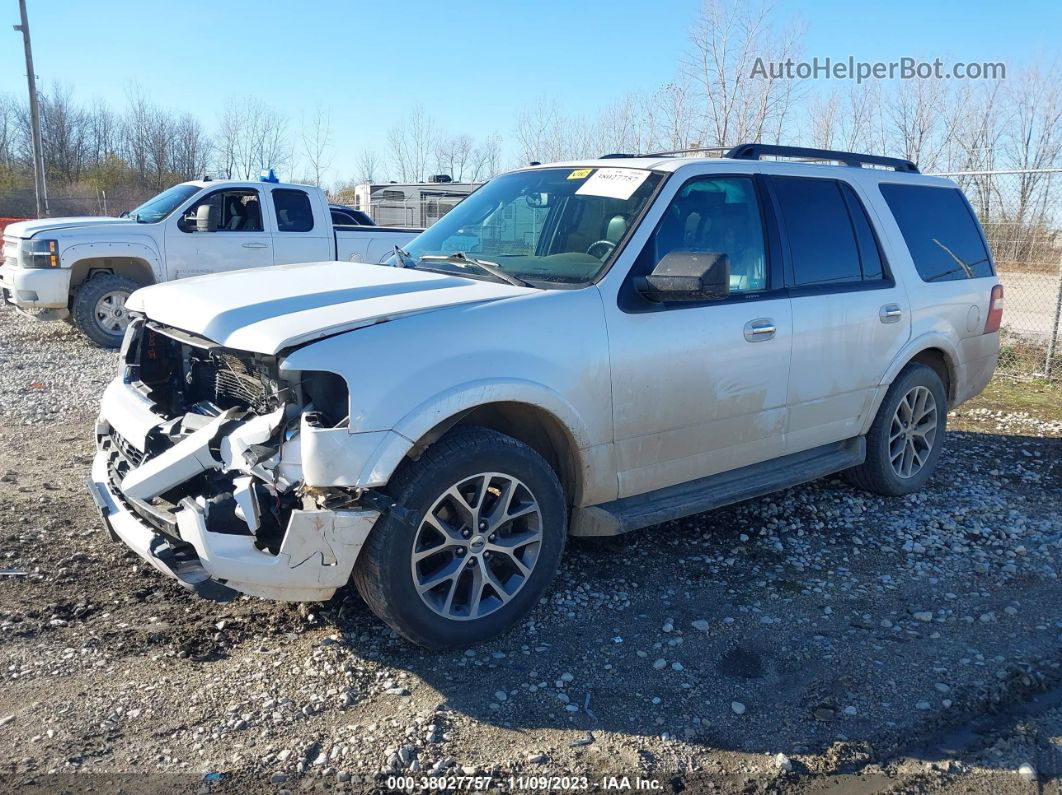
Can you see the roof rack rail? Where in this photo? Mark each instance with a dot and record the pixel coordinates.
(757, 151)
(612, 155)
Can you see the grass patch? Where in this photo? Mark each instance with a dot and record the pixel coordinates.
(1038, 398)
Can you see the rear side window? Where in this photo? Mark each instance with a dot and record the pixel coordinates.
(869, 252)
(940, 231)
(819, 229)
(294, 213)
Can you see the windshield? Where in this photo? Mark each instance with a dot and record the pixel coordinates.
(157, 208)
(551, 225)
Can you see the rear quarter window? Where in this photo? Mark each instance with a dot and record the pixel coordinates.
(940, 230)
(294, 213)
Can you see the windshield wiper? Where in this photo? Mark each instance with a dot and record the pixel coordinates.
(404, 260)
(962, 265)
(462, 260)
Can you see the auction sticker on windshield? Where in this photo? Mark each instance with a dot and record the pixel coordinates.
(614, 183)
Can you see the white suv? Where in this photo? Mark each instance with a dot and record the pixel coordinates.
(585, 348)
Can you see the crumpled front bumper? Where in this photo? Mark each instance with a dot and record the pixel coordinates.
(319, 547)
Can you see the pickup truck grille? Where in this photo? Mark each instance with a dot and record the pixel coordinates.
(183, 374)
(11, 251)
(133, 456)
(235, 382)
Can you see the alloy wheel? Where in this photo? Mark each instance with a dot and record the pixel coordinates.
(477, 546)
(913, 432)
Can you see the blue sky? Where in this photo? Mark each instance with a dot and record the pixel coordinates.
(472, 65)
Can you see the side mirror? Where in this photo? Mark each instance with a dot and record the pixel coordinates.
(687, 276)
(206, 218)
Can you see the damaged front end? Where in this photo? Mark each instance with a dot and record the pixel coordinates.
(202, 469)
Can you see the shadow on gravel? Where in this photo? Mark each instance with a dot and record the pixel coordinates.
(817, 618)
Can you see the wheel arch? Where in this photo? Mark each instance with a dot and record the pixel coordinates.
(533, 425)
(936, 352)
(135, 262)
(530, 413)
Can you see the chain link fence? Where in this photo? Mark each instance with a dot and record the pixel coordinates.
(1021, 212)
(22, 203)
(418, 213)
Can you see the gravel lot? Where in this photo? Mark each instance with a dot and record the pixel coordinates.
(818, 639)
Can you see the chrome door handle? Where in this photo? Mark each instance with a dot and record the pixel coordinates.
(255, 245)
(890, 313)
(760, 329)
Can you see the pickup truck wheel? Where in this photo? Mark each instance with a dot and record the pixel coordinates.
(99, 308)
(905, 441)
(489, 526)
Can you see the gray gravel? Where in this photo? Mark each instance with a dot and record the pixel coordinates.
(816, 632)
(49, 370)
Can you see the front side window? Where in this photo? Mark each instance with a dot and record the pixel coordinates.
(940, 231)
(550, 225)
(233, 211)
(294, 213)
(819, 231)
(719, 215)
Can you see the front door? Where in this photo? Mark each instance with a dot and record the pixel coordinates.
(239, 239)
(700, 388)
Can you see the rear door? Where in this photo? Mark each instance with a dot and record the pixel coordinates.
(239, 241)
(300, 235)
(850, 316)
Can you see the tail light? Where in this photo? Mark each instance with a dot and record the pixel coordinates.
(995, 310)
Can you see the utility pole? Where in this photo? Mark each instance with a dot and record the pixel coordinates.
(35, 117)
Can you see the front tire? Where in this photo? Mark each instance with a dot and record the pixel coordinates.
(486, 538)
(905, 441)
(99, 308)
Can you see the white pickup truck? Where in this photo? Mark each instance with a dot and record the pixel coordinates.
(84, 269)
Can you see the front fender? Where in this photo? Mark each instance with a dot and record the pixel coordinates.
(459, 399)
(77, 252)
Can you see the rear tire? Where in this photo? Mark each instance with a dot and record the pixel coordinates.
(905, 441)
(489, 522)
(99, 308)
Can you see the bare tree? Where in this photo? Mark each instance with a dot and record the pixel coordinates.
(732, 48)
(368, 166)
(545, 134)
(453, 155)
(251, 137)
(317, 144)
(137, 131)
(1035, 141)
(190, 150)
(916, 121)
(486, 159)
(412, 143)
(63, 134)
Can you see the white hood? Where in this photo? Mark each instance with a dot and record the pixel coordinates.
(269, 309)
(26, 229)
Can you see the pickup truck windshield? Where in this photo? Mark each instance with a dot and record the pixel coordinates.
(550, 225)
(155, 209)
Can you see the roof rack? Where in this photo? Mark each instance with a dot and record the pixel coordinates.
(758, 151)
(692, 149)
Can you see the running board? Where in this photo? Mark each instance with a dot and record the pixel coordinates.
(686, 499)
